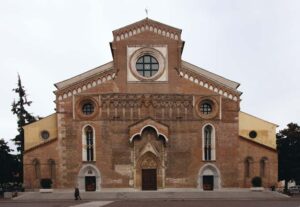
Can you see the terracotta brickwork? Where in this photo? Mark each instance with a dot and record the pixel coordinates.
(146, 123)
(257, 152)
(37, 165)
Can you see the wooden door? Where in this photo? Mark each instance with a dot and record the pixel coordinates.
(149, 179)
(208, 182)
(90, 183)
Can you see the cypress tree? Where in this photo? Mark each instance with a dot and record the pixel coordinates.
(23, 117)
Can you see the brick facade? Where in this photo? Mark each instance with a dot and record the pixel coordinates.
(147, 124)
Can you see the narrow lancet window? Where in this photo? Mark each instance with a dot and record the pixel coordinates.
(208, 143)
(89, 143)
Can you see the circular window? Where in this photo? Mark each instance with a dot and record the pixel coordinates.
(206, 108)
(147, 66)
(253, 134)
(88, 108)
(45, 134)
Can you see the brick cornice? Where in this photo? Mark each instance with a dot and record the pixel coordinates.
(208, 83)
(87, 83)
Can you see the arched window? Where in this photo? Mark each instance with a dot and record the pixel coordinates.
(37, 168)
(208, 143)
(88, 144)
(262, 167)
(51, 165)
(248, 162)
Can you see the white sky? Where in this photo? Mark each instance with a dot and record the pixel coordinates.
(253, 42)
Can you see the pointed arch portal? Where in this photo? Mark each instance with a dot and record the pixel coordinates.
(89, 178)
(148, 149)
(209, 177)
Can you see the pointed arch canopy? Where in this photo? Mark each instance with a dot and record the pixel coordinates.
(88, 170)
(211, 170)
(138, 128)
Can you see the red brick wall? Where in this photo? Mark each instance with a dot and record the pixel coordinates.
(184, 150)
(42, 153)
(257, 152)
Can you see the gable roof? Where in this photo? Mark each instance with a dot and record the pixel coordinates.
(212, 76)
(147, 25)
(209, 80)
(84, 75)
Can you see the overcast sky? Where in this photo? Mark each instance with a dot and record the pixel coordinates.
(253, 42)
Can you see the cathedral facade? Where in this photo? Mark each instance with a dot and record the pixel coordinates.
(149, 120)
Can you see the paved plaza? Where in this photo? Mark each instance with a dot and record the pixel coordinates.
(156, 203)
(166, 194)
(163, 198)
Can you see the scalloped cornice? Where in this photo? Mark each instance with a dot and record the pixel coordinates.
(85, 81)
(211, 81)
(147, 25)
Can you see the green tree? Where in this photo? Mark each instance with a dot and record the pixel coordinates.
(10, 165)
(288, 147)
(24, 118)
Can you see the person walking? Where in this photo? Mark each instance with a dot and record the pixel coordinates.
(77, 194)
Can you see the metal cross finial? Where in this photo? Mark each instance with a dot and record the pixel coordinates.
(146, 10)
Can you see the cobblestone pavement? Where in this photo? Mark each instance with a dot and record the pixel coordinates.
(161, 203)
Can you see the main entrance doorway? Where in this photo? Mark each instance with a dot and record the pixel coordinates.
(149, 179)
(90, 183)
(208, 182)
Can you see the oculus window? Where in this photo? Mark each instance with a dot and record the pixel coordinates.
(88, 108)
(147, 66)
(45, 134)
(206, 108)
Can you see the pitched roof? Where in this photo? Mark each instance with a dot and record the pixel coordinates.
(212, 76)
(84, 75)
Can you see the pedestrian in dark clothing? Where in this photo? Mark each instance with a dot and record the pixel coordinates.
(77, 194)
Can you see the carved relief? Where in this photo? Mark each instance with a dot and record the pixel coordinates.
(137, 106)
(148, 163)
(148, 153)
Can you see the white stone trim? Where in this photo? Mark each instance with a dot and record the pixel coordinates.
(210, 75)
(93, 83)
(82, 174)
(147, 27)
(213, 171)
(84, 75)
(83, 141)
(148, 125)
(210, 87)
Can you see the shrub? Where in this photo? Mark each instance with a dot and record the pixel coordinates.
(256, 181)
(46, 183)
